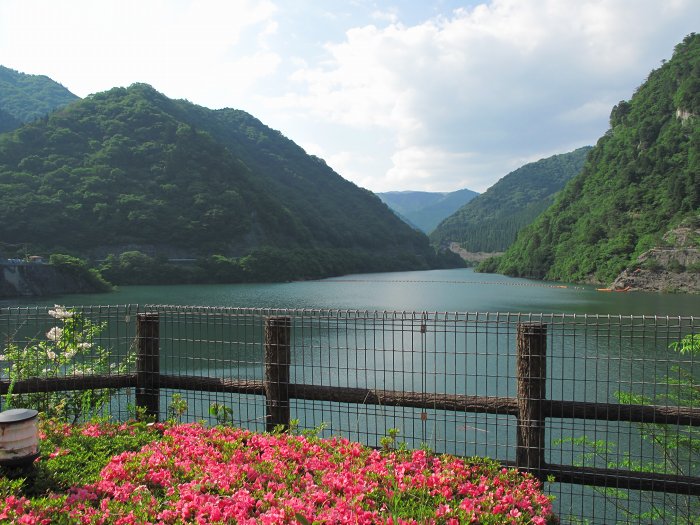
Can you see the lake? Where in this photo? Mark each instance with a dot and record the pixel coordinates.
(457, 290)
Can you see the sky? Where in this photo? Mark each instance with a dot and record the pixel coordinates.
(394, 95)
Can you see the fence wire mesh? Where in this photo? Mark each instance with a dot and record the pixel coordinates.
(447, 381)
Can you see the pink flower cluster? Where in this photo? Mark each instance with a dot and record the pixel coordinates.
(227, 475)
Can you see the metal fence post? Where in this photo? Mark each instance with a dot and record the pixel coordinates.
(148, 364)
(532, 391)
(277, 361)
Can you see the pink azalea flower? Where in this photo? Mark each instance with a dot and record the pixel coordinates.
(226, 475)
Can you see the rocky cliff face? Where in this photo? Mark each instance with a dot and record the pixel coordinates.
(472, 258)
(27, 280)
(675, 268)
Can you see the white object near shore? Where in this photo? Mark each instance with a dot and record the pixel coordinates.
(19, 437)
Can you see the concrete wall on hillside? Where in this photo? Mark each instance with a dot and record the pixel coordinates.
(33, 280)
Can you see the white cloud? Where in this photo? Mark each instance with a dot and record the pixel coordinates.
(189, 49)
(425, 166)
(591, 111)
(475, 88)
(351, 165)
(390, 15)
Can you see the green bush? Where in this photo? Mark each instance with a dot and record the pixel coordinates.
(80, 268)
(69, 348)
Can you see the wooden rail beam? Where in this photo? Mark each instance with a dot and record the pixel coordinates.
(666, 415)
(212, 384)
(624, 479)
(367, 396)
(34, 385)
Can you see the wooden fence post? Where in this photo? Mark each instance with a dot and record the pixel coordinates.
(277, 361)
(148, 364)
(532, 391)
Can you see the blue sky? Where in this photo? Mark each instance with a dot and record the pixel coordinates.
(407, 95)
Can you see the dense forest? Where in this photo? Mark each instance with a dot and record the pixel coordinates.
(8, 122)
(425, 209)
(28, 97)
(641, 180)
(135, 180)
(491, 221)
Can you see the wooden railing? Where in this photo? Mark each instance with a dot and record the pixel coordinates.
(531, 406)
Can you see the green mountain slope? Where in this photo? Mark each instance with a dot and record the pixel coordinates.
(8, 122)
(491, 221)
(130, 169)
(641, 179)
(28, 97)
(425, 209)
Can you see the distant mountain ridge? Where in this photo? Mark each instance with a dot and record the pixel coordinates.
(28, 97)
(491, 221)
(641, 180)
(423, 209)
(131, 170)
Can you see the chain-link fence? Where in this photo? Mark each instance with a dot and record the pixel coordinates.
(605, 409)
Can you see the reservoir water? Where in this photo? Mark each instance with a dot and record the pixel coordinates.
(458, 290)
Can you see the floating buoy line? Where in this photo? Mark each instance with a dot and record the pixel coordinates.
(500, 283)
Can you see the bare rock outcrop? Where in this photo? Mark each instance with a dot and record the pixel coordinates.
(675, 268)
(472, 257)
(663, 270)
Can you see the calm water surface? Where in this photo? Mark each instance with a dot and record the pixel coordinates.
(458, 290)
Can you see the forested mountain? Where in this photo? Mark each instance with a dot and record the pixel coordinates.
(8, 122)
(491, 221)
(28, 97)
(425, 209)
(640, 181)
(129, 170)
